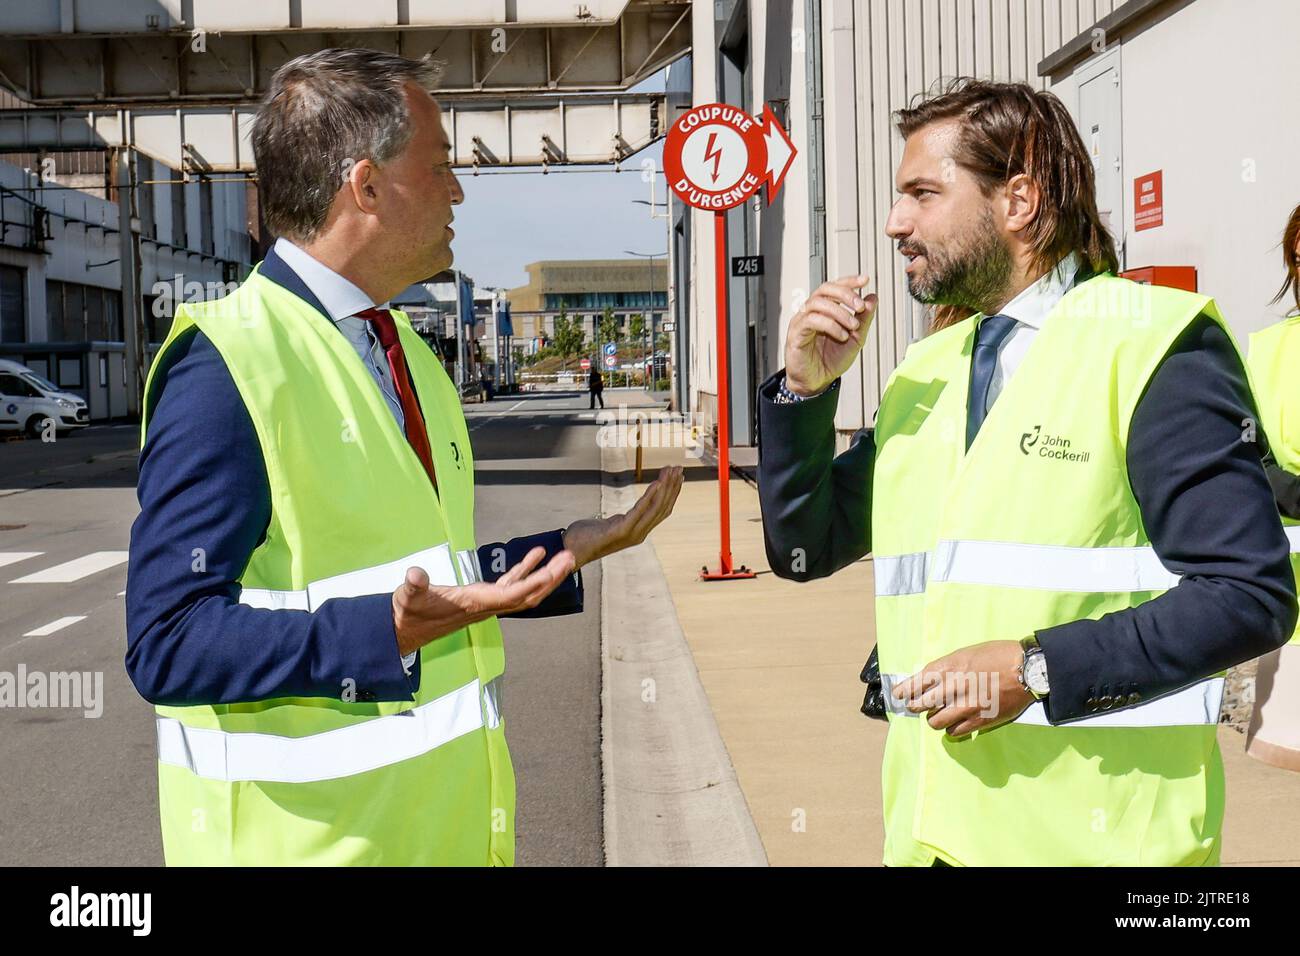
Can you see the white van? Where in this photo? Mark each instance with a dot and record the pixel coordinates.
(27, 401)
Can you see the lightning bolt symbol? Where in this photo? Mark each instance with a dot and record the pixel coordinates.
(713, 154)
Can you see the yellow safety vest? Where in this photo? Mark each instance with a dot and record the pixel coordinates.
(339, 781)
(1034, 526)
(1274, 364)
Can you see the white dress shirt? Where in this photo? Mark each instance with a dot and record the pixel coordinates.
(343, 300)
(1030, 309)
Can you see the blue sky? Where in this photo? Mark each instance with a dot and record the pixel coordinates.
(510, 220)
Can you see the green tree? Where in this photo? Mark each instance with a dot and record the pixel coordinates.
(568, 338)
(560, 337)
(608, 327)
(636, 328)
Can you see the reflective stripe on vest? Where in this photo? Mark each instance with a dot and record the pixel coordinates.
(378, 742)
(1005, 564)
(1293, 537)
(470, 571)
(1197, 703)
(378, 579)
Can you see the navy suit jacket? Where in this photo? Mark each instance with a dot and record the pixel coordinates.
(1204, 499)
(205, 504)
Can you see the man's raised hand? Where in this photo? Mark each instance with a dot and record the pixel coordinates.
(422, 613)
(826, 335)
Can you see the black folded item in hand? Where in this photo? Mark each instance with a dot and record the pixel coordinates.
(873, 703)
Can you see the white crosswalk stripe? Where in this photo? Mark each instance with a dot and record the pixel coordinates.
(13, 557)
(53, 626)
(75, 569)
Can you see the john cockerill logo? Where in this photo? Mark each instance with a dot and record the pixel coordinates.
(1051, 446)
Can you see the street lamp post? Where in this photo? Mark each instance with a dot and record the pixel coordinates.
(652, 256)
(667, 218)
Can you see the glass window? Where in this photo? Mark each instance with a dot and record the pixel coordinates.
(74, 314)
(41, 381)
(13, 305)
(205, 216)
(69, 373)
(178, 214)
(13, 385)
(94, 314)
(113, 315)
(53, 308)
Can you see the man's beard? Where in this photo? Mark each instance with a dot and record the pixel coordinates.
(972, 272)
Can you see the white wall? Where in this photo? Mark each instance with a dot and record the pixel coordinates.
(1211, 96)
(876, 56)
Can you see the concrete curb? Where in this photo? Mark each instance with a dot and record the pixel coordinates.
(671, 797)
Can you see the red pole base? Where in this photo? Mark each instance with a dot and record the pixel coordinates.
(722, 574)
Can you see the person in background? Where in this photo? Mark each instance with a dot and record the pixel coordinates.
(595, 388)
(1273, 734)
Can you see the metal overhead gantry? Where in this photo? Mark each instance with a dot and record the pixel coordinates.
(484, 131)
(179, 80)
(193, 52)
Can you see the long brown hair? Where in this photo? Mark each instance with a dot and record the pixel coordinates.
(1291, 260)
(1009, 129)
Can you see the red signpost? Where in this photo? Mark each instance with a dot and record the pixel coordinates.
(716, 157)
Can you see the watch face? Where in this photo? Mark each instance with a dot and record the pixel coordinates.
(1036, 673)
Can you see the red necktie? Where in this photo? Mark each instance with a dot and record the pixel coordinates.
(386, 330)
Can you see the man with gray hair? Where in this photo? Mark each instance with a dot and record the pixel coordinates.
(306, 602)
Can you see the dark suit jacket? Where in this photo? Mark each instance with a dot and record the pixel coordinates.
(1204, 498)
(203, 485)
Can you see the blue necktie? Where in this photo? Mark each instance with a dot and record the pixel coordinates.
(984, 359)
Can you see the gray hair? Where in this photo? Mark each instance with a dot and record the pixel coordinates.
(325, 112)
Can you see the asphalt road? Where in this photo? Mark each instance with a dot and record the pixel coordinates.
(81, 790)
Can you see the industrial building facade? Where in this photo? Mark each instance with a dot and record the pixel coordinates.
(583, 289)
(1186, 105)
(60, 281)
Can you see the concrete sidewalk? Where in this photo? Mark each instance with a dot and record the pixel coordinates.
(779, 664)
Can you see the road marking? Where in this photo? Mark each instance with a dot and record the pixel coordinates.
(53, 626)
(75, 569)
(515, 405)
(13, 557)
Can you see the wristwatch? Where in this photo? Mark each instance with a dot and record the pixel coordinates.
(784, 396)
(1032, 672)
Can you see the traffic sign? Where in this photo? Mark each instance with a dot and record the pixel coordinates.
(611, 360)
(610, 348)
(586, 364)
(716, 156)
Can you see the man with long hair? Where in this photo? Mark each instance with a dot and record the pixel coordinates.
(1072, 533)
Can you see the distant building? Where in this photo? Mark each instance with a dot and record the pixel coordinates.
(583, 289)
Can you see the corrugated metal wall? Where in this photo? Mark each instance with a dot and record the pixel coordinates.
(903, 48)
